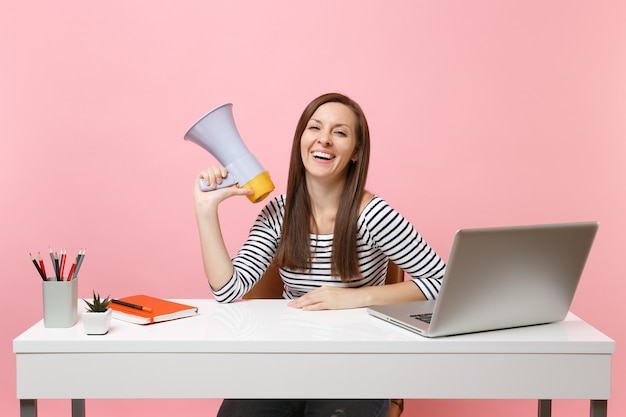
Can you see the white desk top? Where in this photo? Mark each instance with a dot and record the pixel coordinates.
(269, 326)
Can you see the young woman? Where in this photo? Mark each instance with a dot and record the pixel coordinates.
(329, 236)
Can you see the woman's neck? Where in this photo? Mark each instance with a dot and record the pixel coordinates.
(324, 205)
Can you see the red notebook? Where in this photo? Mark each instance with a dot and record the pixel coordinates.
(162, 310)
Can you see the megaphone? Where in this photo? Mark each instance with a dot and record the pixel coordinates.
(216, 132)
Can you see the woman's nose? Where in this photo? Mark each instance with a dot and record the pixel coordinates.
(325, 138)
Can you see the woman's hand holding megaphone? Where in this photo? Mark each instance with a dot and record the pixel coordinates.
(213, 177)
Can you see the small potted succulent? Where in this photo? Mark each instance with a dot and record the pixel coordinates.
(97, 317)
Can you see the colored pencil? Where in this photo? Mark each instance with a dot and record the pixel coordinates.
(79, 261)
(62, 266)
(43, 276)
(71, 273)
(53, 263)
(41, 264)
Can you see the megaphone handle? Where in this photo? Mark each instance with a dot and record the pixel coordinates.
(225, 183)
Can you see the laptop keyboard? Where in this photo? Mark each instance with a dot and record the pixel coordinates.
(425, 317)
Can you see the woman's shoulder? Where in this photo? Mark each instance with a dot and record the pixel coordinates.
(376, 211)
(372, 204)
(279, 200)
(275, 207)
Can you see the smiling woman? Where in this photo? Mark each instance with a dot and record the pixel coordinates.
(329, 237)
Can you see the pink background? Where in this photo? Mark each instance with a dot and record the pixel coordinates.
(483, 113)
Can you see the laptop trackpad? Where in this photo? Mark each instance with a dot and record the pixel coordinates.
(423, 307)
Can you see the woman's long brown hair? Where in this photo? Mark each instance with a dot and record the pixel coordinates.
(294, 251)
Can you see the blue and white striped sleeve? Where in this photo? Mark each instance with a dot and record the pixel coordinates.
(398, 239)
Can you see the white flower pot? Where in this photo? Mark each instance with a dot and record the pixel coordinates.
(97, 323)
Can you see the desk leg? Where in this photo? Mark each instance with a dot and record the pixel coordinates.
(28, 408)
(545, 408)
(78, 408)
(598, 408)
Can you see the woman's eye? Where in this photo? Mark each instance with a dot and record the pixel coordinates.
(314, 128)
(340, 133)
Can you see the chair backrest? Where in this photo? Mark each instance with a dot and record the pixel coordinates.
(271, 285)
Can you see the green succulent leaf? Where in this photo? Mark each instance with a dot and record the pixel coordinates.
(98, 305)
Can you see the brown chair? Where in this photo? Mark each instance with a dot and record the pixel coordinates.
(271, 286)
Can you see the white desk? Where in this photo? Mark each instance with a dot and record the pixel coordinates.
(345, 354)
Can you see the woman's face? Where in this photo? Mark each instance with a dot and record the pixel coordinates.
(328, 143)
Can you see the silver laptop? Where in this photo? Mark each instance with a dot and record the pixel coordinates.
(500, 278)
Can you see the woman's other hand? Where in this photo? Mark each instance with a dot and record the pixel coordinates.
(333, 298)
(329, 298)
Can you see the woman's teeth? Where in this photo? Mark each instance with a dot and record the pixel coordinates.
(322, 155)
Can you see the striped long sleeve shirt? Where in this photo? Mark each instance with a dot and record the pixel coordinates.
(383, 234)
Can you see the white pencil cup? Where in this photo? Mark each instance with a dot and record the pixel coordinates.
(59, 302)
